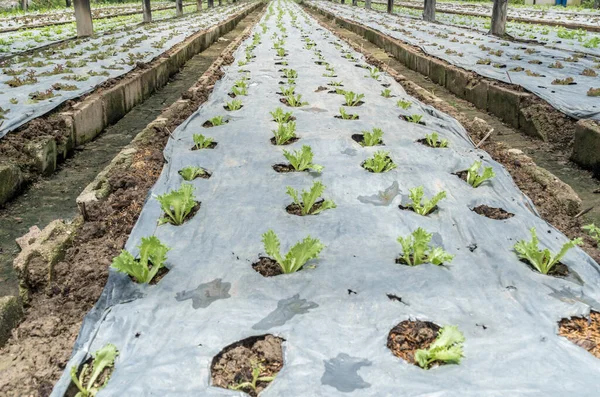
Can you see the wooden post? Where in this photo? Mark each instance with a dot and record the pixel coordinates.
(499, 16)
(147, 10)
(220, 2)
(368, 4)
(211, 3)
(429, 11)
(178, 8)
(83, 18)
(390, 8)
(24, 5)
(342, 1)
(68, 3)
(198, 5)
(355, 2)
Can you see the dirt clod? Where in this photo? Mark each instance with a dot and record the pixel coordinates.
(492, 212)
(409, 336)
(267, 267)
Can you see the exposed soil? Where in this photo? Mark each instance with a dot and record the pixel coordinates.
(295, 209)
(234, 364)
(229, 110)
(434, 209)
(211, 146)
(559, 270)
(285, 168)
(407, 119)
(36, 355)
(350, 117)
(360, 138)
(289, 142)
(492, 212)
(423, 141)
(411, 335)
(584, 332)
(267, 267)
(400, 260)
(359, 103)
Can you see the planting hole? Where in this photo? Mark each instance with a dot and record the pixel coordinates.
(411, 335)
(267, 267)
(360, 138)
(285, 168)
(249, 365)
(584, 332)
(295, 209)
(288, 142)
(212, 145)
(492, 212)
(209, 124)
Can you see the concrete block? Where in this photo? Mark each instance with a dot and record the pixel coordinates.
(133, 93)
(113, 102)
(505, 103)
(476, 92)
(457, 80)
(11, 179)
(88, 120)
(11, 312)
(437, 72)
(43, 150)
(422, 64)
(586, 147)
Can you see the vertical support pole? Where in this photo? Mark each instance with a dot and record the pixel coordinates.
(178, 8)
(355, 2)
(429, 11)
(390, 6)
(368, 4)
(68, 3)
(198, 5)
(24, 5)
(211, 3)
(147, 10)
(83, 18)
(499, 16)
(220, 3)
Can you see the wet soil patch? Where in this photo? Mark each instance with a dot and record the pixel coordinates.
(584, 332)
(187, 218)
(211, 146)
(289, 142)
(492, 212)
(559, 270)
(285, 168)
(267, 267)
(411, 335)
(407, 119)
(295, 209)
(360, 138)
(234, 364)
(209, 124)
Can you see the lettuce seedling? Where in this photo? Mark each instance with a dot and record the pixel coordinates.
(380, 162)
(281, 52)
(309, 198)
(447, 348)
(374, 73)
(416, 250)
(335, 83)
(434, 141)
(414, 118)
(257, 370)
(372, 138)
(347, 116)
(295, 100)
(290, 73)
(386, 93)
(280, 116)
(285, 132)
(416, 195)
(285, 91)
(201, 141)
(177, 204)
(152, 251)
(236, 104)
(593, 231)
(473, 177)
(297, 256)
(217, 120)
(103, 358)
(239, 90)
(352, 98)
(542, 260)
(403, 104)
(191, 172)
(301, 159)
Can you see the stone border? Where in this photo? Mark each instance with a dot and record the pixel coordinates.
(510, 103)
(91, 114)
(43, 248)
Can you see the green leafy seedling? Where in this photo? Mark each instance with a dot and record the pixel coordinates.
(593, 231)
(380, 162)
(302, 159)
(352, 98)
(201, 141)
(257, 371)
(236, 104)
(335, 83)
(414, 118)
(309, 198)
(152, 252)
(103, 358)
(295, 100)
(434, 140)
(290, 73)
(416, 250)
(280, 116)
(401, 103)
(386, 93)
(239, 90)
(542, 260)
(374, 73)
(347, 116)
(297, 256)
(284, 132)
(474, 178)
(191, 172)
(285, 91)
(217, 120)
(280, 52)
(177, 204)
(416, 196)
(372, 138)
(447, 348)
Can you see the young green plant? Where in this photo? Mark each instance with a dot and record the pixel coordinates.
(380, 162)
(216, 121)
(280, 116)
(177, 204)
(201, 141)
(447, 348)
(236, 104)
(302, 159)
(347, 116)
(416, 250)
(285, 132)
(372, 138)
(191, 172)
(416, 196)
(103, 359)
(434, 140)
(152, 252)
(257, 370)
(295, 100)
(309, 198)
(297, 256)
(593, 231)
(474, 178)
(352, 98)
(542, 260)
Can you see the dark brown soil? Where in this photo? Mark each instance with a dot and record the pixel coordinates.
(285, 168)
(584, 332)
(462, 175)
(405, 118)
(226, 108)
(360, 138)
(234, 364)
(355, 117)
(559, 270)
(211, 146)
(321, 88)
(292, 140)
(359, 103)
(492, 212)
(295, 209)
(434, 209)
(188, 217)
(409, 336)
(209, 124)
(267, 267)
